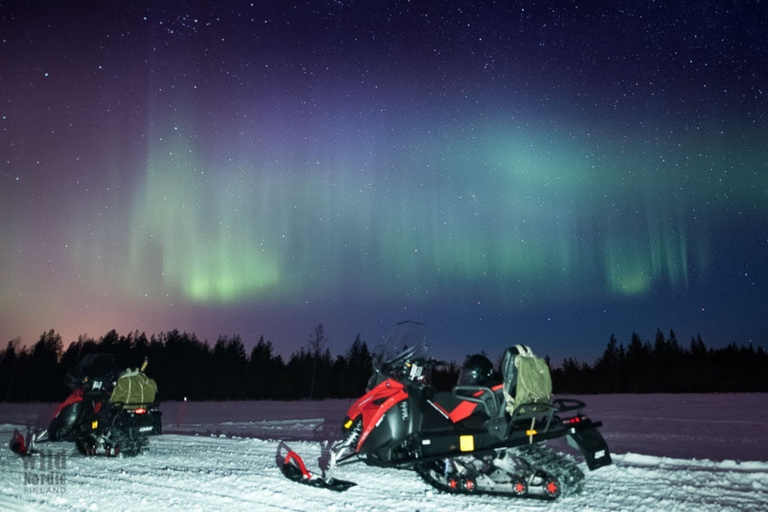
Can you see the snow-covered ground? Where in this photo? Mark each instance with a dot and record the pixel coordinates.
(671, 453)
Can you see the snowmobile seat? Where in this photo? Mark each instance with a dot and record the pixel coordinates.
(493, 401)
(470, 406)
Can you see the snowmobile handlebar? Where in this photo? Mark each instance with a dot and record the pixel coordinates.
(417, 370)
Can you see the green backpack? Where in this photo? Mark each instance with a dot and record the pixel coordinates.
(134, 388)
(526, 378)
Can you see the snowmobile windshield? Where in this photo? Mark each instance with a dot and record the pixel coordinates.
(406, 342)
(92, 366)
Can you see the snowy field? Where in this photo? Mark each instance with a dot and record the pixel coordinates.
(671, 453)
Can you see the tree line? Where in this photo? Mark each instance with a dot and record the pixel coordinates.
(186, 368)
(666, 366)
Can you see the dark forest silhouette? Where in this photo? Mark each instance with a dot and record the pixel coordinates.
(185, 367)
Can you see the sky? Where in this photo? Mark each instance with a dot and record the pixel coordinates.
(505, 172)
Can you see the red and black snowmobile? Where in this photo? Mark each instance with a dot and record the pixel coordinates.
(482, 436)
(107, 413)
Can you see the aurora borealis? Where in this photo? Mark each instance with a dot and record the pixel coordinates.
(502, 171)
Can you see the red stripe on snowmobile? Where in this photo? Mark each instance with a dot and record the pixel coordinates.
(293, 456)
(375, 404)
(76, 396)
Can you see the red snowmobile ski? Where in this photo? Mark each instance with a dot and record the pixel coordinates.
(472, 439)
(96, 416)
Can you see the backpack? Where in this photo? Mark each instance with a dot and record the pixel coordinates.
(526, 378)
(134, 388)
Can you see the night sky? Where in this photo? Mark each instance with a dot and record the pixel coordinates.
(505, 172)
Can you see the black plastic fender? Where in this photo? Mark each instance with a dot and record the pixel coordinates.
(66, 425)
(592, 446)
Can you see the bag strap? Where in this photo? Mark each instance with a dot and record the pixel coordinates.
(524, 350)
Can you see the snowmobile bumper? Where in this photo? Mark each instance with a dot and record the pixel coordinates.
(145, 421)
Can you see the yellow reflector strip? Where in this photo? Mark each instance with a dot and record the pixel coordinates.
(348, 424)
(530, 433)
(94, 425)
(466, 443)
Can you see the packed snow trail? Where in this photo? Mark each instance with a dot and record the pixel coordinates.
(224, 457)
(218, 473)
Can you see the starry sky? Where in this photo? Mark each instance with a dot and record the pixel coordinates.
(547, 173)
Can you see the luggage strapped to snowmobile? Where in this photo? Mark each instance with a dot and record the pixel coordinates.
(134, 389)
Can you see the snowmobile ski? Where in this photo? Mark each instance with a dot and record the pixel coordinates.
(294, 469)
(18, 444)
(26, 446)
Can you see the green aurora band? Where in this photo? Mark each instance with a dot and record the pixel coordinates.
(523, 218)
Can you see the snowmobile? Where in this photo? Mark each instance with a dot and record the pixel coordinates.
(474, 438)
(106, 413)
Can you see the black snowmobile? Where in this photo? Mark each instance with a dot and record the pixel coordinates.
(108, 413)
(480, 437)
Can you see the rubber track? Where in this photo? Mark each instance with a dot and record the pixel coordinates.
(561, 466)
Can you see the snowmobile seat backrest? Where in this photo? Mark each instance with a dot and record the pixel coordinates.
(508, 369)
(526, 378)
